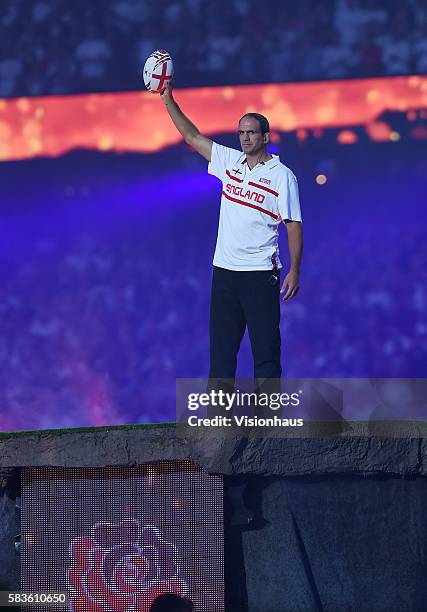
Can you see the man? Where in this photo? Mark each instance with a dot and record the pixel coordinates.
(258, 192)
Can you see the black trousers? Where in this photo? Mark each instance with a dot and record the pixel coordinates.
(241, 299)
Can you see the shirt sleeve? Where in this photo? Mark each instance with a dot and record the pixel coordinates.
(289, 206)
(222, 158)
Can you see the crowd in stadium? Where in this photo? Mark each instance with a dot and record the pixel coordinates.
(45, 49)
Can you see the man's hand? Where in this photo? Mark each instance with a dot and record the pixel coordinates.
(166, 94)
(291, 281)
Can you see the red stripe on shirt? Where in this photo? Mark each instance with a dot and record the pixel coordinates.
(265, 188)
(263, 210)
(234, 178)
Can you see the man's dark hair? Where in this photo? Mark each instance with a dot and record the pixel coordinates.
(263, 121)
(171, 603)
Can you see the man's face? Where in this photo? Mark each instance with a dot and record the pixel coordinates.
(252, 140)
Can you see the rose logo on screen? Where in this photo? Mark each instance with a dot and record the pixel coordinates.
(122, 567)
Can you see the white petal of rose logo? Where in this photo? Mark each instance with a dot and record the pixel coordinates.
(122, 567)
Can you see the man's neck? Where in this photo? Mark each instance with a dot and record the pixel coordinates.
(253, 160)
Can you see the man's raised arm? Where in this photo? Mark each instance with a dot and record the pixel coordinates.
(190, 133)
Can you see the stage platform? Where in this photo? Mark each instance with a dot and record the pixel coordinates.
(400, 448)
(333, 523)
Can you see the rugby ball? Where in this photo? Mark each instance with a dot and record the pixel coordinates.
(157, 70)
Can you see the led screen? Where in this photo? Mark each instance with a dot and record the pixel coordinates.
(116, 538)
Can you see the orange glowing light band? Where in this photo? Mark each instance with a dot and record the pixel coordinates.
(138, 121)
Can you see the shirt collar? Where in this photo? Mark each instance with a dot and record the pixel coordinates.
(268, 164)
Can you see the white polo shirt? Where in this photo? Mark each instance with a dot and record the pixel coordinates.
(253, 203)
